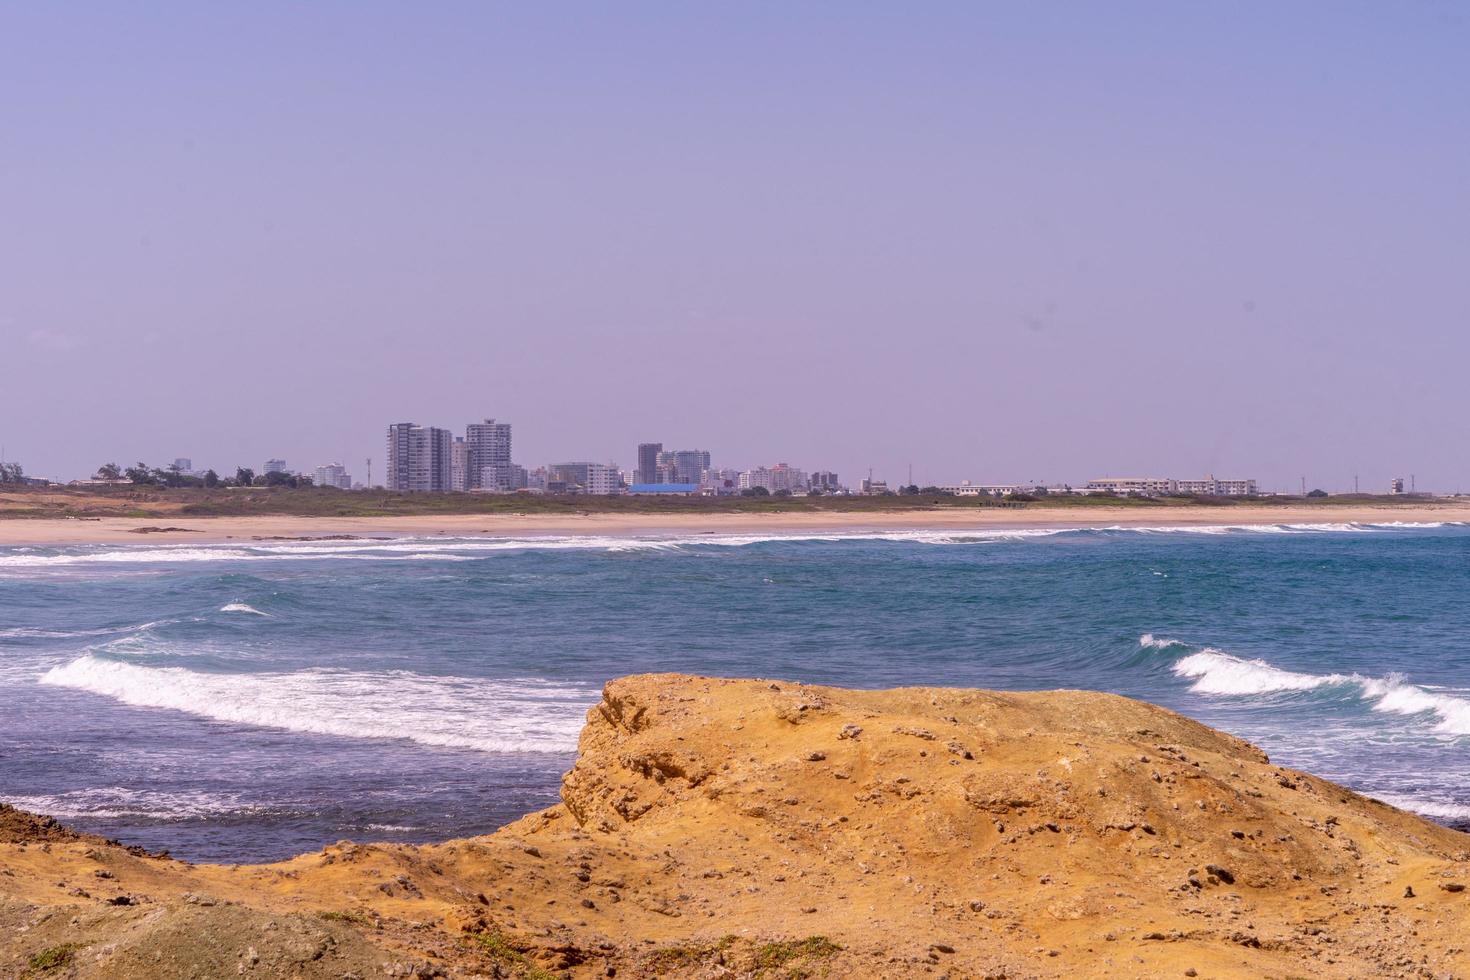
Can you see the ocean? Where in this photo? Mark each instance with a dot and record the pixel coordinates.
(251, 701)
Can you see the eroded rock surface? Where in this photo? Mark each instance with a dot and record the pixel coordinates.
(736, 828)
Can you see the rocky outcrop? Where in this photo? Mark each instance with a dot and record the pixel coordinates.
(727, 828)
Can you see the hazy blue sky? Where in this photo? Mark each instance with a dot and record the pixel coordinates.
(999, 241)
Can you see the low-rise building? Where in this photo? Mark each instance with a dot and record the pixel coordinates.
(1134, 485)
(677, 489)
(1154, 486)
(967, 489)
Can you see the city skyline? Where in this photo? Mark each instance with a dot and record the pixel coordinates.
(993, 243)
(500, 454)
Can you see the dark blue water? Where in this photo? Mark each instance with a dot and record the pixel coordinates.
(249, 703)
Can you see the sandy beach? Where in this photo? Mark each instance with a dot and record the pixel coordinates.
(117, 530)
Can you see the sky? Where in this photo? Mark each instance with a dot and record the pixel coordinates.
(993, 241)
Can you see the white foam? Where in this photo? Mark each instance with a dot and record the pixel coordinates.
(113, 802)
(1416, 524)
(442, 548)
(1216, 672)
(241, 607)
(1396, 696)
(1151, 642)
(1220, 673)
(1435, 809)
(28, 632)
(1219, 529)
(514, 715)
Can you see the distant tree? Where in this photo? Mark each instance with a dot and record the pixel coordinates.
(11, 473)
(244, 476)
(814, 492)
(109, 471)
(1317, 493)
(931, 491)
(1021, 497)
(755, 492)
(277, 479)
(141, 474)
(168, 476)
(211, 479)
(911, 490)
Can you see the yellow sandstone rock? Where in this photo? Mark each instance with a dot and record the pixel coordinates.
(744, 828)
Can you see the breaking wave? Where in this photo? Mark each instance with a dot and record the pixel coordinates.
(467, 549)
(1218, 673)
(1455, 813)
(241, 607)
(511, 715)
(119, 802)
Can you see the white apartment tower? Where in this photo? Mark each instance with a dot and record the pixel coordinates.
(487, 443)
(333, 475)
(682, 465)
(459, 465)
(419, 458)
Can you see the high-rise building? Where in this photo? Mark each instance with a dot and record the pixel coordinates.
(459, 464)
(505, 478)
(722, 481)
(825, 481)
(774, 479)
(596, 478)
(487, 444)
(420, 458)
(682, 465)
(648, 453)
(275, 466)
(184, 464)
(333, 475)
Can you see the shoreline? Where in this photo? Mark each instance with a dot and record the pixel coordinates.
(43, 532)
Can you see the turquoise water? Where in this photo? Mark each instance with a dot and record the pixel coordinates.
(239, 702)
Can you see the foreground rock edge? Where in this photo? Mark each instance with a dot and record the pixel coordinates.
(741, 828)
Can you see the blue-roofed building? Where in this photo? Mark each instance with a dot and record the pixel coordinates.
(682, 489)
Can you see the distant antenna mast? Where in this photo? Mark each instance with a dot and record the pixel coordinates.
(370, 472)
(1355, 483)
(1304, 486)
(1411, 483)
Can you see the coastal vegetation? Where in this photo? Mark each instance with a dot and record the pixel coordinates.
(273, 495)
(50, 960)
